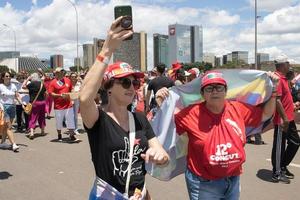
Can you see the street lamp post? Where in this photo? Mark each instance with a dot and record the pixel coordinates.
(15, 39)
(255, 48)
(73, 4)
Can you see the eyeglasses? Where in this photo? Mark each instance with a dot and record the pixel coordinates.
(126, 83)
(7, 76)
(210, 88)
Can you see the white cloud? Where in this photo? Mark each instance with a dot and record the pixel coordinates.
(272, 5)
(51, 29)
(285, 20)
(221, 17)
(34, 2)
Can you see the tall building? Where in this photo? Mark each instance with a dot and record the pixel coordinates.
(209, 58)
(160, 49)
(97, 46)
(218, 61)
(185, 43)
(262, 57)
(88, 55)
(240, 57)
(77, 61)
(134, 51)
(9, 54)
(56, 61)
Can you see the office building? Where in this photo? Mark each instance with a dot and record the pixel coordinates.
(240, 57)
(185, 43)
(97, 46)
(262, 57)
(77, 61)
(88, 56)
(9, 54)
(160, 49)
(134, 51)
(56, 61)
(209, 58)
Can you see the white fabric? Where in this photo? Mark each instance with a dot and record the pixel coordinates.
(68, 115)
(131, 144)
(7, 93)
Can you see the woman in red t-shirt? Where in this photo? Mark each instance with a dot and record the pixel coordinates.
(216, 132)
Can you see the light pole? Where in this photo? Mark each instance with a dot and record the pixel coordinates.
(74, 5)
(15, 38)
(255, 48)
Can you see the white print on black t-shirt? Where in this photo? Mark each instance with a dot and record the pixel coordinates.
(235, 127)
(120, 159)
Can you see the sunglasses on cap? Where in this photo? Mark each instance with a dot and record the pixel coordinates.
(126, 83)
(210, 88)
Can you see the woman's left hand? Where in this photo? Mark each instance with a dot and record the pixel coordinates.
(156, 155)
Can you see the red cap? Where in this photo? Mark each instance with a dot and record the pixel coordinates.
(120, 70)
(176, 66)
(213, 77)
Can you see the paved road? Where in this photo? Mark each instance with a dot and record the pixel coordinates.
(48, 170)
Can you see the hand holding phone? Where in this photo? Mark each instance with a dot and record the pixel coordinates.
(126, 22)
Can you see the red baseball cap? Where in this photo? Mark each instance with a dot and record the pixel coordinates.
(120, 70)
(176, 66)
(213, 77)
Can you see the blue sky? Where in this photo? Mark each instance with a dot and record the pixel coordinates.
(46, 27)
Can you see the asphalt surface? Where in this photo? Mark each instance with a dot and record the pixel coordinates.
(46, 169)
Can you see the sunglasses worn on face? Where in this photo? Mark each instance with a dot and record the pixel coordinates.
(126, 83)
(210, 88)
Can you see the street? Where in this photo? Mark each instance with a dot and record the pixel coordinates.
(48, 170)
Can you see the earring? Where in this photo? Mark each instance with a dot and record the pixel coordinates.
(109, 93)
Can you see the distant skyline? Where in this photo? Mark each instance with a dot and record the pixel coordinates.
(46, 27)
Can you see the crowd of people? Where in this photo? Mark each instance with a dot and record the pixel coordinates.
(114, 101)
(27, 99)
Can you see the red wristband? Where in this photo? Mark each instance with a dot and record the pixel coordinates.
(103, 59)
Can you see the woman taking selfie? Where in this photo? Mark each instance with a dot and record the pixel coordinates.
(120, 141)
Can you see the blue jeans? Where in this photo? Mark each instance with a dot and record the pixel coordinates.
(9, 111)
(221, 189)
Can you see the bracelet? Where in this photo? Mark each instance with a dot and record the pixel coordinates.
(104, 60)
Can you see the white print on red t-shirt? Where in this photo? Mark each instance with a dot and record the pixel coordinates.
(236, 128)
(222, 154)
(120, 159)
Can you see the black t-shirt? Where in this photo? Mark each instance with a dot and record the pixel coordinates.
(34, 88)
(160, 82)
(109, 145)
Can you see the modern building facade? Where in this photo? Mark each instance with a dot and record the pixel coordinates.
(9, 54)
(160, 49)
(262, 57)
(77, 62)
(209, 58)
(134, 51)
(97, 46)
(56, 61)
(185, 43)
(240, 57)
(88, 55)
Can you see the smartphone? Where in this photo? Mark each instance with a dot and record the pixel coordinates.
(126, 22)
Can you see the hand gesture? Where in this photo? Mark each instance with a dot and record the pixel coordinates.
(161, 95)
(116, 34)
(274, 78)
(156, 155)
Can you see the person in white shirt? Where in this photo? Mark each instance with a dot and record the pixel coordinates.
(8, 93)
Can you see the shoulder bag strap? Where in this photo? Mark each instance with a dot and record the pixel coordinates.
(38, 92)
(131, 143)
